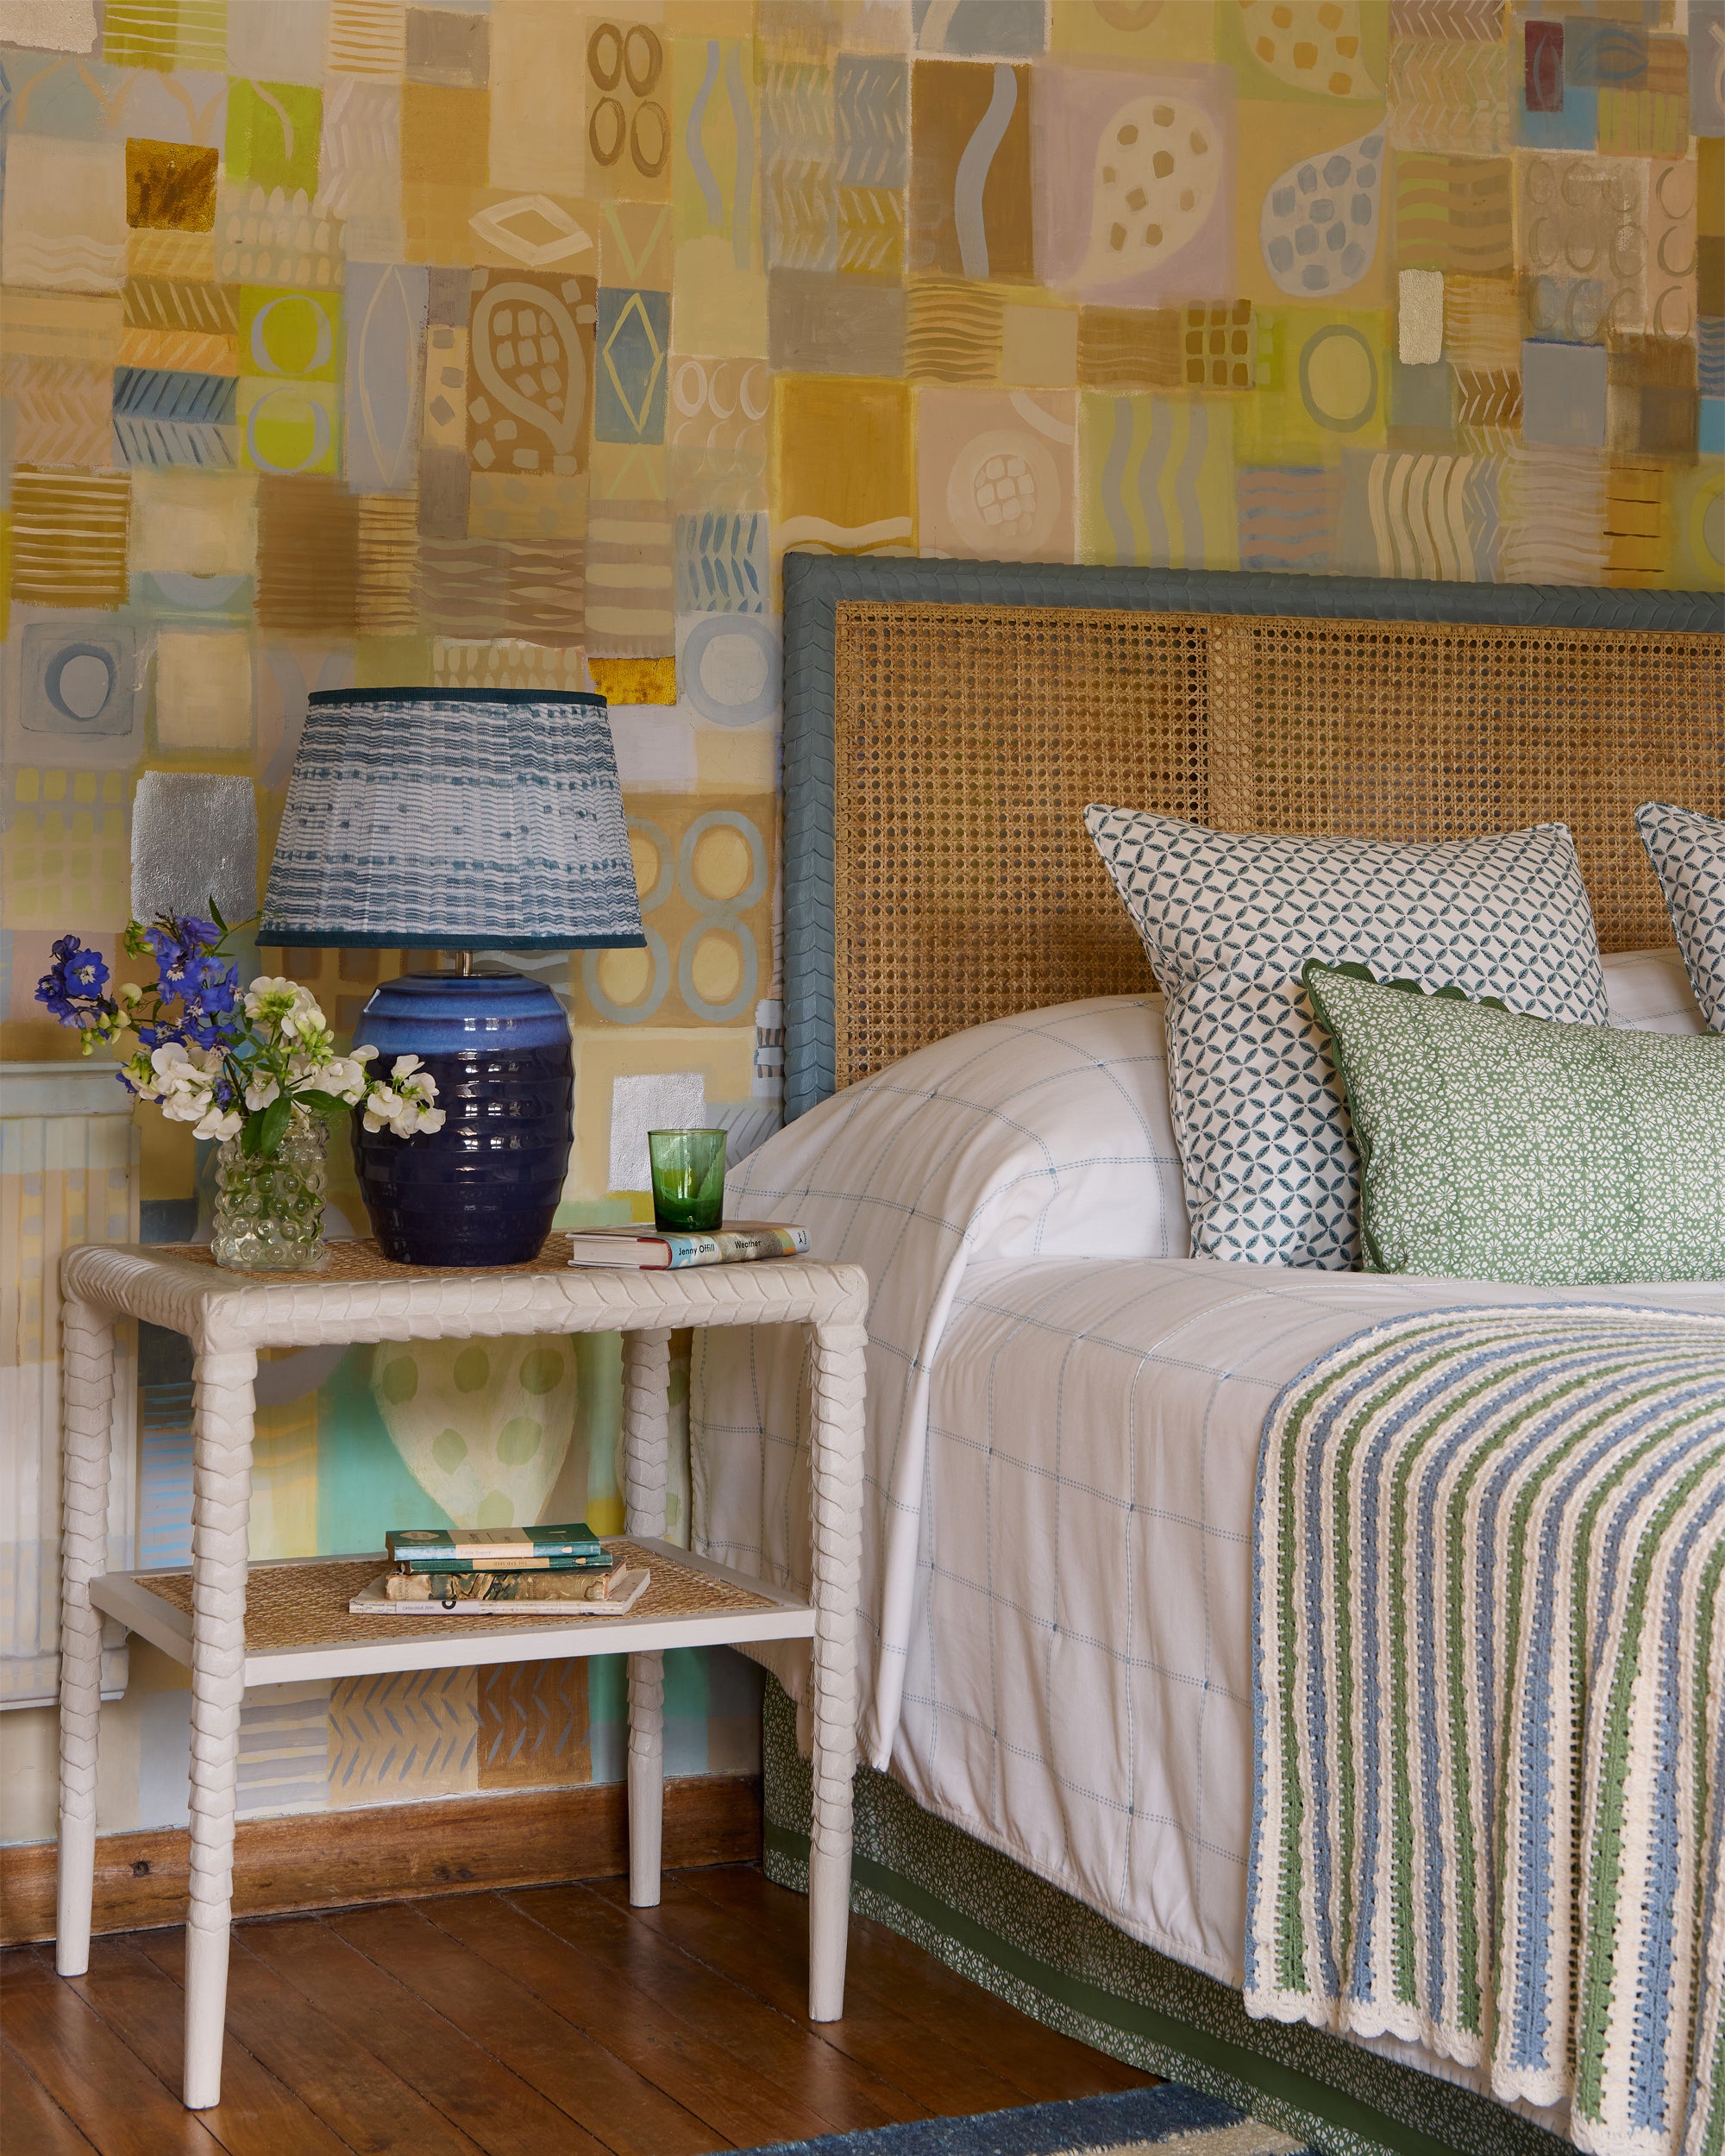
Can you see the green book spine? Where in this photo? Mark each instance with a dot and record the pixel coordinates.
(414, 1562)
(493, 1547)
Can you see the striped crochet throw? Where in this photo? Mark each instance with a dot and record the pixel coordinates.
(1490, 1708)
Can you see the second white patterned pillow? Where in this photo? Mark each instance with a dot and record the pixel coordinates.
(1228, 919)
(1688, 853)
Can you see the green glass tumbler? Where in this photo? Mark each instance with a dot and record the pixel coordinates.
(688, 1179)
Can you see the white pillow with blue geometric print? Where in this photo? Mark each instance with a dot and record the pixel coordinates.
(1228, 919)
(1688, 853)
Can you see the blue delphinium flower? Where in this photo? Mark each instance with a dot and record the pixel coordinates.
(208, 991)
(178, 943)
(230, 1064)
(74, 987)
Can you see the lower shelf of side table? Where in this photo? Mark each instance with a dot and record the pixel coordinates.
(298, 1624)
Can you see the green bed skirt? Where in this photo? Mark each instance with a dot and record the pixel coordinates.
(1060, 1962)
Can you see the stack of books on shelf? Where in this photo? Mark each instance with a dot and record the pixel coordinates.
(552, 1570)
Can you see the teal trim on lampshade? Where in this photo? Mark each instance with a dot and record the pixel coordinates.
(424, 820)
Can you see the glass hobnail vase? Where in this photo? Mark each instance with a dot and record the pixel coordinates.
(269, 1207)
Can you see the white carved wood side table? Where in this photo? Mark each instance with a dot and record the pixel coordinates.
(299, 1625)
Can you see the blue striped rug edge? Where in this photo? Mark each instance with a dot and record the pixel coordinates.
(1170, 2115)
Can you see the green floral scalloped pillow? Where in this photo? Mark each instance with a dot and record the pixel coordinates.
(1498, 1147)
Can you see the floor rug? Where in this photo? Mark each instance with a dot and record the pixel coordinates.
(1169, 2119)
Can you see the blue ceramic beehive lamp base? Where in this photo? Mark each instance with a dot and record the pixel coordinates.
(484, 1189)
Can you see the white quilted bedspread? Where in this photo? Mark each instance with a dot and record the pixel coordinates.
(1064, 1428)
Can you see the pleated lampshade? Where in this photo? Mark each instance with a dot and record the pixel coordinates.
(420, 819)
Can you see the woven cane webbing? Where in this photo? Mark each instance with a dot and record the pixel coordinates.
(968, 739)
(306, 1605)
(363, 1260)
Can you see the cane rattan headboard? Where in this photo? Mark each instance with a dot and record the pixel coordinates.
(946, 724)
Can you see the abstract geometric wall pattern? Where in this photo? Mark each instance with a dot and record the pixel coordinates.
(512, 342)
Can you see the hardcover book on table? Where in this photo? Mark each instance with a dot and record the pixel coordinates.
(436, 1562)
(663, 1250)
(611, 1594)
(560, 1547)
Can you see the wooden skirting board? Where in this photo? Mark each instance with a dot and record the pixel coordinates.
(390, 1852)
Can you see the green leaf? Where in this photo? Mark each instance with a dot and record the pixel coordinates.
(251, 1132)
(325, 1103)
(216, 914)
(273, 1124)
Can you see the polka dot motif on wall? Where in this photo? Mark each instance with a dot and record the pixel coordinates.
(484, 1427)
(1318, 224)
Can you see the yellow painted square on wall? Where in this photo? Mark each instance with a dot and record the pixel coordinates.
(445, 135)
(1039, 347)
(189, 523)
(719, 304)
(1324, 385)
(841, 467)
(1144, 32)
(290, 336)
(290, 427)
(704, 866)
(66, 862)
(203, 690)
(724, 1055)
(537, 117)
(68, 537)
(65, 223)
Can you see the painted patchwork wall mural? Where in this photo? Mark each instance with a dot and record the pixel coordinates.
(349, 342)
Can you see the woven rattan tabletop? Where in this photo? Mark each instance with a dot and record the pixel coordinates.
(291, 1606)
(358, 1294)
(362, 1259)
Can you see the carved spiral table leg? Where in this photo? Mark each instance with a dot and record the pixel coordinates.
(835, 1386)
(647, 1445)
(87, 1406)
(221, 1482)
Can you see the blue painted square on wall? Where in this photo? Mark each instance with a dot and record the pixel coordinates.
(165, 416)
(79, 682)
(1563, 395)
(631, 352)
(1575, 126)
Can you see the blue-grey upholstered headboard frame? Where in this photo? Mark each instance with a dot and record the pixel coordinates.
(816, 585)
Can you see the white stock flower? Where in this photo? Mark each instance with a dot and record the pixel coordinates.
(185, 1081)
(271, 996)
(261, 1091)
(175, 1056)
(416, 1114)
(345, 1077)
(382, 1108)
(307, 1029)
(405, 1100)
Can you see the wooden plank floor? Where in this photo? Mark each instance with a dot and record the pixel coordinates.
(546, 2021)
